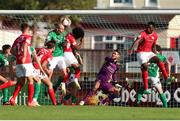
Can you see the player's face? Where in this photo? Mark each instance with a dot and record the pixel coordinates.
(60, 28)
(150, 29)
(115, 55)
(8, 51)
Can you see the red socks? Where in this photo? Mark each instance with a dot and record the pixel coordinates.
(163, 70)
(30, 92)
(7, 84)
(77, 73)
(52, 96)
(17, 90)
(145, 79)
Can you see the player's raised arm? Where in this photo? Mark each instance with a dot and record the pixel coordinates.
(37, 61)
(25, 46)
(45, 68)
(135, 44)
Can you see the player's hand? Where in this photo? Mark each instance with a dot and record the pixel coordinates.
(130, 51)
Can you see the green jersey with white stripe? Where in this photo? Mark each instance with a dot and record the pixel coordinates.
(59, 38)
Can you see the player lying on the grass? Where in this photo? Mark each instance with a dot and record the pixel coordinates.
(58, 35)
(6, 60)
(71, 86)
(145, 44)
(24, 67)
(106, 77)
(44, 56)
(71, 45)
(153, 72)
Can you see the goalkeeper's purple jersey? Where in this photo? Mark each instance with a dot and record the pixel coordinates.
(108, 70)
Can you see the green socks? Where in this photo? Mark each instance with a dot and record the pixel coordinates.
(73, 99)
(67, 97)
(57, 83)
(37, 88)
(163, 99)
(139, 95)
(5, 95)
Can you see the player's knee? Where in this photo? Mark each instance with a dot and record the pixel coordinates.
(50, 85)
(155, 59)
(144, 67)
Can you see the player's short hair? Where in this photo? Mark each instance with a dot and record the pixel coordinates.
(24, 26)
(118, 51)
(5, 47)
(51, 44)
(151, 23)
(158, 48)
(78, 32)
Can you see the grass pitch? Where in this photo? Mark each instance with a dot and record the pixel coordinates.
(86, 112)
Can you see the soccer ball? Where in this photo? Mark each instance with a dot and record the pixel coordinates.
(66, 21)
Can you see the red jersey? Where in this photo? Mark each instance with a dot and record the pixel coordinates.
(70, 41)
(43, 55)
(18, 45)
(148, 41)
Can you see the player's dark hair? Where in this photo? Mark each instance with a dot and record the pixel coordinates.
(78, 33)
(5, 47)
(151, 23)
(50, 44)
(24, 26)
(158, 48)
(118, 51)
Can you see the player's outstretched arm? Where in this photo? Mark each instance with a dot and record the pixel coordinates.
(38, 62)
(45, 68)
(135, 44)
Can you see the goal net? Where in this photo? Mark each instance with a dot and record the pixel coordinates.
(103, 33)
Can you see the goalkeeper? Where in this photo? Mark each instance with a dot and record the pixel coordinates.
(153, 71)
(105, 77)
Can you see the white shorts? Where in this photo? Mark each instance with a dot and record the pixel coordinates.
(154, 80)
(39, 74)
(70, 59)
(57, 61)
(24, 70)
(144, 57)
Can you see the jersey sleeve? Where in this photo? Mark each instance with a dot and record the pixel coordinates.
(49, 37)
(141, 35)
(71, 39)
(28, 40)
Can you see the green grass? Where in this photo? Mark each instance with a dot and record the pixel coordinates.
(86, 112)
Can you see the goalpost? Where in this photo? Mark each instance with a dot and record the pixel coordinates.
(105, 30)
